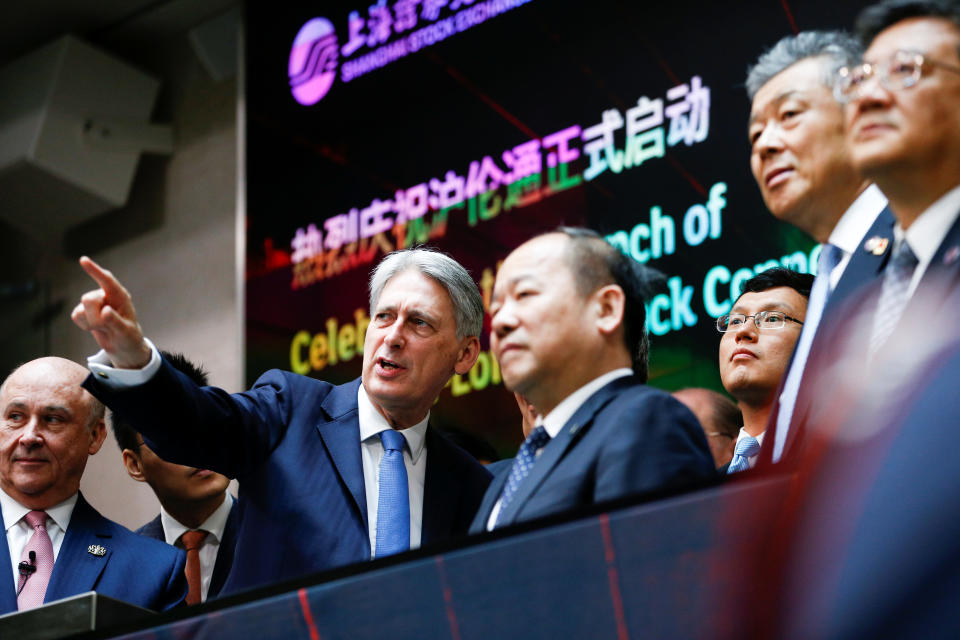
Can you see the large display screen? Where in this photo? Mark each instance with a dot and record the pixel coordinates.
(472, 125)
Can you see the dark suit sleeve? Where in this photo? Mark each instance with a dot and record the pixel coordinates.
(659, 444)
(205, 426)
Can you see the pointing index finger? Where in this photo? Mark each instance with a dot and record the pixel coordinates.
(110, 285)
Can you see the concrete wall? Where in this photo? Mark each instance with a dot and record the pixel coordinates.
(174, 246)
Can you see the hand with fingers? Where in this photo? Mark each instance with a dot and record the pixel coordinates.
(108, 314)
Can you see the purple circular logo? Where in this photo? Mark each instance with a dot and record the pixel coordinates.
(313, 61)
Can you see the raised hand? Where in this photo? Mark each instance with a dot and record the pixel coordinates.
(108, 314)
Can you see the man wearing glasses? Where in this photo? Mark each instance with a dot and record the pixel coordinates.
(903, 123)
(758, 339)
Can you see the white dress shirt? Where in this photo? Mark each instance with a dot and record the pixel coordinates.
(853, 226)
(371, 449)
(927, 232)
(19, 532)
(214, 525)
(554, 421)
(372, 423)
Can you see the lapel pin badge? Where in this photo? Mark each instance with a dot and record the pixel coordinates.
(97, 550)
(876, 245)
(951, 255)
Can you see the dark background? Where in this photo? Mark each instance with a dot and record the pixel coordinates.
(526, 73)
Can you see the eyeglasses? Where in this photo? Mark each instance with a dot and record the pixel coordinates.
(763, 320)
(902, 71)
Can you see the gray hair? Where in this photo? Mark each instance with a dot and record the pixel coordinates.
(447, 272)
(839, 47)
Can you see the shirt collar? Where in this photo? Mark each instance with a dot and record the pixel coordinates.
(743, 434)
(13, 511)
(928, 231)
(553, 422)
(215, 523)
(857, 219)
(372, 423)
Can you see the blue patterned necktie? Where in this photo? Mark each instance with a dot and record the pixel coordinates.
(893, 294)
(522, 464)
(393, 504)
(746, 448)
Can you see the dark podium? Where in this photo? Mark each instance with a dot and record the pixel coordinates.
(70, 616)
(644, 568)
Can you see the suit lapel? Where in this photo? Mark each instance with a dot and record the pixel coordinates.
(490, 498)
(867, 260)
(941, 274)
(228, 543)
(79, 565)
(865, 266)
(8, 592)
(555, 450)
(442, 487)
(341, 436)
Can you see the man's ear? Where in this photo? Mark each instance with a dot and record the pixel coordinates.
(469, 352)
(609, 302)
(98, 434)
(132, 462)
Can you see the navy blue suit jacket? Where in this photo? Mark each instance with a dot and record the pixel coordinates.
(294, 444)
(626, 438)
(882, 509)
(133, 569)
(221, 568)
(863, 268)
(935, 295)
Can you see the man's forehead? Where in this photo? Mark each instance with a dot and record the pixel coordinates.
(533, 259)
(804, 79)
(923, 34)
(414, 289)
(776, 298)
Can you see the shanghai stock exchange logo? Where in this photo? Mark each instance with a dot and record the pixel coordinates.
(313, 61)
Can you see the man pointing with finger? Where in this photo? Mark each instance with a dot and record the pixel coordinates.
(329, 475)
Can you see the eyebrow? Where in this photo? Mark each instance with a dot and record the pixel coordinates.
(498, 291)
(776, 102)
(411, 311)
(775, 305)
(48, 408)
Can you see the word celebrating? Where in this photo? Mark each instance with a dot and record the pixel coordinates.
(489, 188)
(315, 53)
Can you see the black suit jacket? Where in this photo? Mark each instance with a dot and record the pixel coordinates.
(626, 438)
(294, 444)
(228, 544)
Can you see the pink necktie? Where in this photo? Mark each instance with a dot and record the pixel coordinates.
(33, 585)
